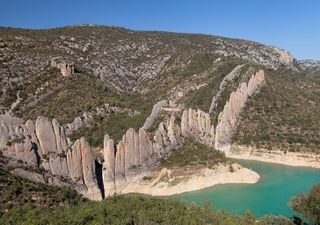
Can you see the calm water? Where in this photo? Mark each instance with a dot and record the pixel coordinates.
(269, 196)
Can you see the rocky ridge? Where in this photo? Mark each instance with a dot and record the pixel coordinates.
(312, 66)
(228, 119)
(220, 71)
(123, 58)
(44, 144)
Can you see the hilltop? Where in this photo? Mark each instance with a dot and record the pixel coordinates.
(100, 108)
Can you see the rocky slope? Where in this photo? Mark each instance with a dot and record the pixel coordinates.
(309, 65)
(121, 57)
(125, 100)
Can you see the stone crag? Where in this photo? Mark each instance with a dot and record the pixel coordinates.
(44, 145)
(228, 119)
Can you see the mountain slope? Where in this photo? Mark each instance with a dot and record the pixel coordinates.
(97, 108)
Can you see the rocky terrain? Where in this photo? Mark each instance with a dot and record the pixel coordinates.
(310, 66)
(97, 108)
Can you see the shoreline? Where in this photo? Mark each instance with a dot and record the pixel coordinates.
(167, 184)
(275, 156)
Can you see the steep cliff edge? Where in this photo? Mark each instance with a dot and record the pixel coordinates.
(200, 88)
(45, 145)
(43, 148)
(228, 119)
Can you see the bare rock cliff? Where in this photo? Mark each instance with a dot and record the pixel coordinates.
(45, 146)
(228, 119)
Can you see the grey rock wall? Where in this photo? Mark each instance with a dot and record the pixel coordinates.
(228, 119)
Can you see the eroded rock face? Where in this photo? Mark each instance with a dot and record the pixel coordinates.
(196, 124)
(154, 113)
(74, 159)
(229, 117)
(145, 145)
(134, 153)
(15, 140)
(58, 166)
(109, 166)
(81, 168)
(228, 78)
(61, 138)
(89, 173)
(44, 145)
(46, 135)
(66, 68)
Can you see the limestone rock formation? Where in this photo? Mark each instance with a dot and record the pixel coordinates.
(82, 169)
(228, 78)
(66, 68)
(134, 153)
(15, 140)
(145, 145)
(61, 138)
(109, 166)
(154, 113)
(229, 117)
(89, 174)
(45, 145)
(46, 135)
(196, 125)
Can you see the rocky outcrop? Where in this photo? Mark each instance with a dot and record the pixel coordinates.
(109, 166)
(45, 146)
(66, 68)
(103, 111)
(229, 117)
(310, 66)
(284, 57)
(196, 124)
(134, 153)
(46, 135)
(154, 113)
(16, 140)
(228, 78)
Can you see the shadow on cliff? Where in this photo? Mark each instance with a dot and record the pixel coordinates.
(99, 175)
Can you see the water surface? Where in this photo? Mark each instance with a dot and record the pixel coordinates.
(270, 195)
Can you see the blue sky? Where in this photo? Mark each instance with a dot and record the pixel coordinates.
(290, 24)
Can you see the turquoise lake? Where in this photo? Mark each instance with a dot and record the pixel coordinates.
(270, 195)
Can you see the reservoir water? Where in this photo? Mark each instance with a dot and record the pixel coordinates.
(270, 195)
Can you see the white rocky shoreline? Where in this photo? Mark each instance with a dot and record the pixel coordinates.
(311, 160)
(167, 184)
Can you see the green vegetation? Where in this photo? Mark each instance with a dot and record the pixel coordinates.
(16, 192)
(66, 97)
(284, 115)
(197, 63)
(308, 205)
(202, 97)
(27, 203)
(133, 210)
(116, 125)
(192, 153)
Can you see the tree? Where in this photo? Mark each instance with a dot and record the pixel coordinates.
(308, 205)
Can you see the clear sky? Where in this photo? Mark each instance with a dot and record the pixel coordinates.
(290, 24)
